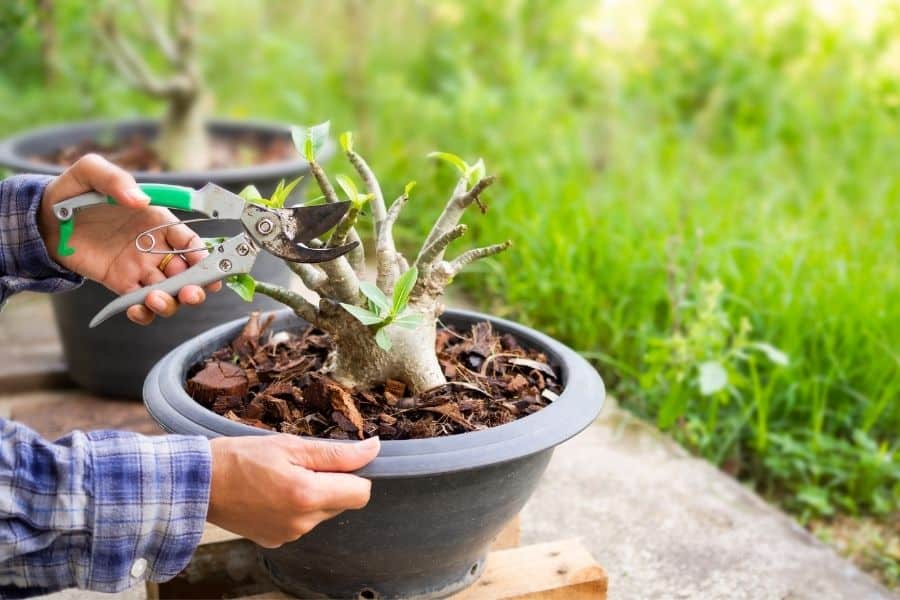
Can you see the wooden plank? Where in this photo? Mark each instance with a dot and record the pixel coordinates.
(551, 571)
(562, 570)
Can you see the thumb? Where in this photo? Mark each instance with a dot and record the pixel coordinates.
(335, 456)
(93, 172)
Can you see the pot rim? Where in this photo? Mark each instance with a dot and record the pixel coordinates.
(575, 409)
(12, 158)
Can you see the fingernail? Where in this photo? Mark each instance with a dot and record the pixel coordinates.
(138, 195)
(368, 443)
(156, 303)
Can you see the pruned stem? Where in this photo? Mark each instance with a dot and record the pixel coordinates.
(300, 305)
(454, 210)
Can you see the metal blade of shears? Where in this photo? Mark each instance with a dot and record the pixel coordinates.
(283, 231)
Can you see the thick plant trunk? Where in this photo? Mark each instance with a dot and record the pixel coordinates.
(183, 141)
(360, 362)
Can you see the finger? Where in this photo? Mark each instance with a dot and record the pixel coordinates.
(139, 314)
(191, 295)
(93, 172)
(331, 456)
(161, 303)
(182, 237)
(342, 491)
(174, 266)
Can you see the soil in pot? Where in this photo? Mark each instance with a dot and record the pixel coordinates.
(137, 152)
(277, 381)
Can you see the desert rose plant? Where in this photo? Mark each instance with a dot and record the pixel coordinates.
(383, 330)
(183, 137)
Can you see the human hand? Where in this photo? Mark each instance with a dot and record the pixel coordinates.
(272, 489)
(104, 237)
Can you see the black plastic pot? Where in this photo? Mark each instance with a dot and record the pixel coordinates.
(114, 358)
(436, 503)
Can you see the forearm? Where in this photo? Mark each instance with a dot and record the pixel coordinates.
(24, 261)
(100, 511)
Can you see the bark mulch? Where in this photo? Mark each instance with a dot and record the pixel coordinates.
(277, 381)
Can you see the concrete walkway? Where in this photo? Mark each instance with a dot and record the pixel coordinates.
(666, 525)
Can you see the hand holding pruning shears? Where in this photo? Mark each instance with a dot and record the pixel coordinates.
(105, 238)
(113, 243)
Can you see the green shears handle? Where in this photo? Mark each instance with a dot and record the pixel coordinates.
(161, 194)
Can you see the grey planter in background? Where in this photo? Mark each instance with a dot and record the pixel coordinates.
(436, 503)
(113, 358)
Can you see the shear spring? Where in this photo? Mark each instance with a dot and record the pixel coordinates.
(148, 246)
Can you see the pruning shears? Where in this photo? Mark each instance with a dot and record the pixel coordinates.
(283, 232)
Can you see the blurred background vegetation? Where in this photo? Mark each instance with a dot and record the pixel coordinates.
(681, 179)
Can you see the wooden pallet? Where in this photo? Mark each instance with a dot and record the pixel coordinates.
(225, 566)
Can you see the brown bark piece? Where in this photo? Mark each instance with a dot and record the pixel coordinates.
(325, 393)
(246, 343)
(217, 379)
(276, 408)
(397, 388)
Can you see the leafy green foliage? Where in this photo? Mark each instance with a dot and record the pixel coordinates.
(383, 311)
(243, 285)
(279, 196)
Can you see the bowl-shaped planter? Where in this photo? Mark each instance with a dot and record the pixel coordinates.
(436, 503)
(114, 358)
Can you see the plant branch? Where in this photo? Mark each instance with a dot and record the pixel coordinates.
(311, 276)
(460, 262)
(300, 305)
(342, 231)
(323, 182)
(158, 32)
(430, 254)
(454, 210)
(127, 61)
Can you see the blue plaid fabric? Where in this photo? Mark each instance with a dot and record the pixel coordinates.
(24, 262)
(102, 510)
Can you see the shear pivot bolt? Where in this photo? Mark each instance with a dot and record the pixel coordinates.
(265, 226)
(224, 265)
(243, 249)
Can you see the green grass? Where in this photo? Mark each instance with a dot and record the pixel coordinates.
(755, 146)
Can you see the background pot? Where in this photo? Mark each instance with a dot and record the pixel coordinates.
(114, 358)
(436, 503)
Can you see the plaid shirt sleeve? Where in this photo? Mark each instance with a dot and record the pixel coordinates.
(24, 261)
(102, 510)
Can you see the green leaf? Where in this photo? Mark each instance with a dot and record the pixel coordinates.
(403, 288)
(250, 193)
(373, 293)
(453, 159)
(409, 320)
(310, 140)
(772, 353)
(816, 498)
(347, 141)
(348, 186)
(713, 377)
(381, 338)
(408, 188)
(243, 285)
(476, 172)
(362, 315)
